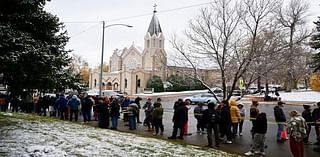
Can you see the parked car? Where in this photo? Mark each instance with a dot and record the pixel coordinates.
(111, 93)
(201, 98)
(236, 94)
(217, 91)
(252, 90)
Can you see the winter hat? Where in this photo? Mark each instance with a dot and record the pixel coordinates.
(240, 105)
(306, 106)
(280, 103)
(294, 113)
(255, 103)
(233, 103)
(211, 104)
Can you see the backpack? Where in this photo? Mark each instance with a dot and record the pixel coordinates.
(214, 117)
(253, 113)
(297, 128)
(197, 112)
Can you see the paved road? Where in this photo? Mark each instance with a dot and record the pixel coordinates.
(241, 143)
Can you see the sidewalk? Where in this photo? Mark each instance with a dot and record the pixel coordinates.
(240, 145)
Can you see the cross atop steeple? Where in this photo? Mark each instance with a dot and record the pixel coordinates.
(155, 7)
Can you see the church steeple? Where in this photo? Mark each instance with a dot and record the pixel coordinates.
(154, 27)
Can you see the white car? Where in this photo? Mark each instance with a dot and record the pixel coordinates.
(201, 98)
(217, 91)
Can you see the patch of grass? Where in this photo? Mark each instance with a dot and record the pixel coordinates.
(94, 136)
(5, 120)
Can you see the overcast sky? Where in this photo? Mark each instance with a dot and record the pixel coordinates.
(83, 18)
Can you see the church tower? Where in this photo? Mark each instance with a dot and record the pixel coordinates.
(154, 55)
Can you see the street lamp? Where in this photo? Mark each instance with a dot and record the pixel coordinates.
(101, 66)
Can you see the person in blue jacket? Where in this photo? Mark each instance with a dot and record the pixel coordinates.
(74, 104)
(62, 107)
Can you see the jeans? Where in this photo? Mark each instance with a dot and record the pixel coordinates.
(214, 128)
(114, 121)
(177, 126)
(132, 122)
(280, 128)
(258, 142)
(158, 125)
(241, 126)
(86, 115)
(75, 113)
(234, 129)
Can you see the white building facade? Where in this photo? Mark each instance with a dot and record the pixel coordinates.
(131, 68)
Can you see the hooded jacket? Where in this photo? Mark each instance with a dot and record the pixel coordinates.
(234, 112)
(74, 103)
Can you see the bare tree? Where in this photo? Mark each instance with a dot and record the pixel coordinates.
(215, 34)
(292, 17)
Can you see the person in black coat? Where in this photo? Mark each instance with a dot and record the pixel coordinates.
(306, 114)
(280, 119)
(137, 101)
(316, 119)
(225, 124)
(114, 113)
(180, 116)
(211, 119)
(259, 130)
(86, 108)
(103, 116)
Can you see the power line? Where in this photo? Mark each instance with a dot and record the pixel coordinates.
(141, 15)
(163, 11)
(85, 30)
(81, 21)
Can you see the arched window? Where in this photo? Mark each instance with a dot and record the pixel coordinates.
(154, 43)
(160, 43)
(125, 83)
(138, 83)
(95, 82)
(148, 43)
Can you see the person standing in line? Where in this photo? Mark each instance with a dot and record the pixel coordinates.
(259, 130)
(62, 107)
(211, 119)
(254, 112)
(86, 109)
(235, 117)
(137, 101)
(297, 131)
(14, 103)
(74, 104)
(132, 114)
(280, 119)
(307, 115)
(225, 125)
(148, 109)
(187, 105)
(157, 116)
(316, 119)
(114, 114)
(198, 114)
(103, 114)
(124, 106)
(243, 115)
(180, 116)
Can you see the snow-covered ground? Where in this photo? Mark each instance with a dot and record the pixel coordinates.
(310, 96)
(29, 136)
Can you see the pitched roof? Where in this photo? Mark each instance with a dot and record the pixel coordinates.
(154, 27)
